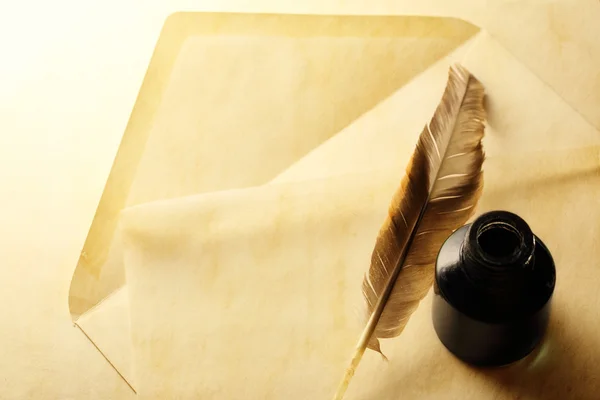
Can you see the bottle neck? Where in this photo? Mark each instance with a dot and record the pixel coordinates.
(497, 255)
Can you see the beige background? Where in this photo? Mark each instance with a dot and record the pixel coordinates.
(69, 75)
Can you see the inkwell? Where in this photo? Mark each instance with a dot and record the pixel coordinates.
(494, 280)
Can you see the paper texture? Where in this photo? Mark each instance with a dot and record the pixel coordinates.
(241, 98)
(266, 297)
(247, 290)
(222, 118)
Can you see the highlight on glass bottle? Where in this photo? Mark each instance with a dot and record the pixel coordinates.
(494, 280)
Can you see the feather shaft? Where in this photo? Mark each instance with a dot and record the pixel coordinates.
(367, 333)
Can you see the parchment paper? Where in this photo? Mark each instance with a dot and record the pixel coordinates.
(221, 120)
(232, 100)
(254, 293)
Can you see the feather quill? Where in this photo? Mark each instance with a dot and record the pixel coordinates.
(438, 194)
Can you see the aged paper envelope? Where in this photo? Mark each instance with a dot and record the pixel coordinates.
(263, 302)
(232, 101)
(320, 66)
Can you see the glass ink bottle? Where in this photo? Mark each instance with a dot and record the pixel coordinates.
(494, 280)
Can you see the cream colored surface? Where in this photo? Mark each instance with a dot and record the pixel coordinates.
(155, 117)
(68, 81)
(237, 99)
(70, 73)
(226, 117)
(268, 292)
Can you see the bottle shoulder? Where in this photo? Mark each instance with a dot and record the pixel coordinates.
(482, 303)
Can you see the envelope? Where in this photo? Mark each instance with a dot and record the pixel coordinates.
(229, 244)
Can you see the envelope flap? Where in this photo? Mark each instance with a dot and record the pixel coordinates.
(556, 40)
(231, 100)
